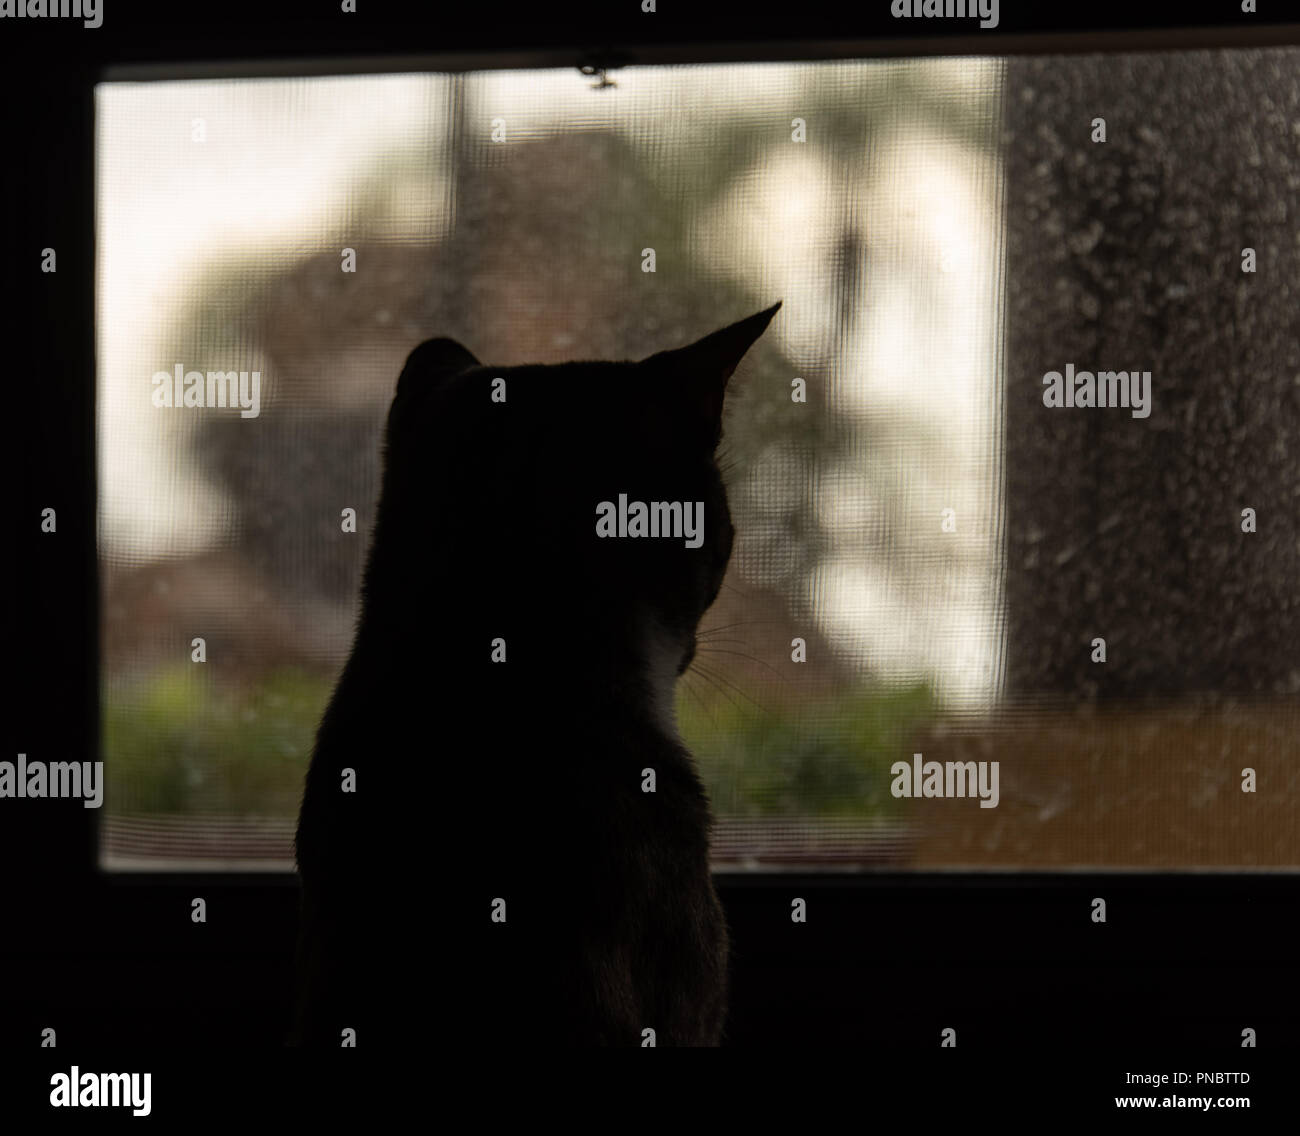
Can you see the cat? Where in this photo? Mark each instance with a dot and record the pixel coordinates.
(522, 853)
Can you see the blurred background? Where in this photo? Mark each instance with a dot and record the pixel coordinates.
(941, 232)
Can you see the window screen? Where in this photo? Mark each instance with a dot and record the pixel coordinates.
(1063, 608)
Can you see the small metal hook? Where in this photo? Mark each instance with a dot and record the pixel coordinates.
(605, 81)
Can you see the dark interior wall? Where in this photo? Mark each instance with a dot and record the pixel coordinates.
(1127, 254)
(1008, 961)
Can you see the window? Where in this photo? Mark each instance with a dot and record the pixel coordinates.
(928, 557)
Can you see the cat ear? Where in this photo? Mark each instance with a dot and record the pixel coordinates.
(705, 366)
(433, 361)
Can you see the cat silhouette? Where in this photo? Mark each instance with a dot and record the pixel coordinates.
(503, 841)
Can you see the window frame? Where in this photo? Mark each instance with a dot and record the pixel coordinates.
(57, 622)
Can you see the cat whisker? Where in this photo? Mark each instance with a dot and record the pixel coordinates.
(689, 687)
(705, 677)
(730, 626)
(727, 682)
(711, 649)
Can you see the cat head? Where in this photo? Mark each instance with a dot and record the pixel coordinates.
(581, 501)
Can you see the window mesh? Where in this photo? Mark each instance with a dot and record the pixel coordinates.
(886, 569)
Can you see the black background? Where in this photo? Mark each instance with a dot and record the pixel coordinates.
(115, 965)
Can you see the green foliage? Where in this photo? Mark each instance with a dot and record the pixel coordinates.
(830, 758)
(174, 742)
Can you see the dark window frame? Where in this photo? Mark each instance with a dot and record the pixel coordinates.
(57, 622)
